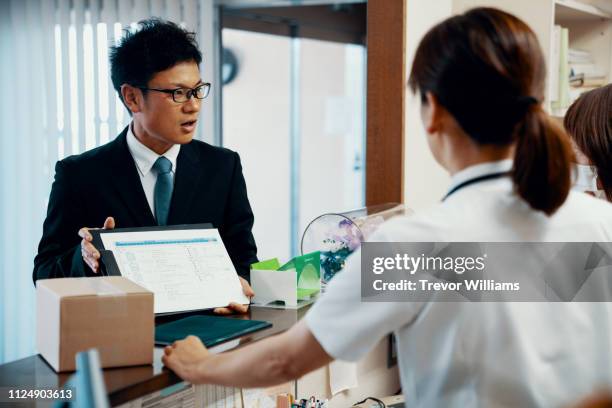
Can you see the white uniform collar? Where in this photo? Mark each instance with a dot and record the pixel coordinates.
(479, 170)
(145, 157)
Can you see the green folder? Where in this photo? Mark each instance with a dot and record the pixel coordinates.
(212, 330)
(308, 268)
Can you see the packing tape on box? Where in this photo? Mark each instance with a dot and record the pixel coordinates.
(119, 303)
(103, 287)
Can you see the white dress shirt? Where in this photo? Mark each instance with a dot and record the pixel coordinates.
(145, 159)
(480, 354)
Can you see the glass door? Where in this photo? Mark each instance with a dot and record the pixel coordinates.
(294, 109)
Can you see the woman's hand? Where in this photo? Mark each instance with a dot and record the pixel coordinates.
(184, 358)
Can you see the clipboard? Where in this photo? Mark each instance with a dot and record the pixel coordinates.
(109, 265)
(187, 267)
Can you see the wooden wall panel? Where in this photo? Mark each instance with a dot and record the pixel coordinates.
(386, 79)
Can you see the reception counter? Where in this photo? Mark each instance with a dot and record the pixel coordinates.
(376, 376)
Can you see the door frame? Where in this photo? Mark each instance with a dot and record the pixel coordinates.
(385, 94)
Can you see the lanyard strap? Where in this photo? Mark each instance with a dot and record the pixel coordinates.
(476, 180)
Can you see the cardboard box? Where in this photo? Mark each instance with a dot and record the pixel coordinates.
(109, 313)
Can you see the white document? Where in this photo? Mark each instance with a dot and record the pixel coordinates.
(270, 286)
(186, 269)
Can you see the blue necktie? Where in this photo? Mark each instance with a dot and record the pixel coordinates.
(163, 189)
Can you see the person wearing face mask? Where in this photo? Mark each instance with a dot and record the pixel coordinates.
(481, 77)
(589, 123)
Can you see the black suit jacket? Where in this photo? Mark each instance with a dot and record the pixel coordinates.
(208, 187)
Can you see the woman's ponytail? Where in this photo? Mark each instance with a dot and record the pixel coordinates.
(542, 161)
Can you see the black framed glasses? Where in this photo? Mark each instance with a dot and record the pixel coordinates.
(182, 95)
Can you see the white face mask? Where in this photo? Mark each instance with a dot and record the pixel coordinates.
(585, 180)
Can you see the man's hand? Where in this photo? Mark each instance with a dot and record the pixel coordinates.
(184, 357)
(90, 254)
(237, 307)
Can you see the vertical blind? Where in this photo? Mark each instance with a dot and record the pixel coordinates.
(57, 100)
(89, 112)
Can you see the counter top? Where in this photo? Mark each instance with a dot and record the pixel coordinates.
(126, 384)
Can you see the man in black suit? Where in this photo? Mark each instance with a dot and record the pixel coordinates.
(153, 173)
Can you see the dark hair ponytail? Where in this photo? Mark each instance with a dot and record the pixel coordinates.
(487, 69)
(542, 161)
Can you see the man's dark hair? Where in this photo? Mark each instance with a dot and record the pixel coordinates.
(154, 47)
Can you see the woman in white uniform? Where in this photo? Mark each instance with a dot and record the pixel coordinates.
(480, 76)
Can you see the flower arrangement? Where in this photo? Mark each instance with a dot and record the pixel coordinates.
(343, 242)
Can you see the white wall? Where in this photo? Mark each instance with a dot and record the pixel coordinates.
(425, 182)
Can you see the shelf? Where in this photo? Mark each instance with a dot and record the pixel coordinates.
(574, 10)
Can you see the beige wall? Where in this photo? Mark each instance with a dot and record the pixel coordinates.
(537, 13)
(424, 180)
